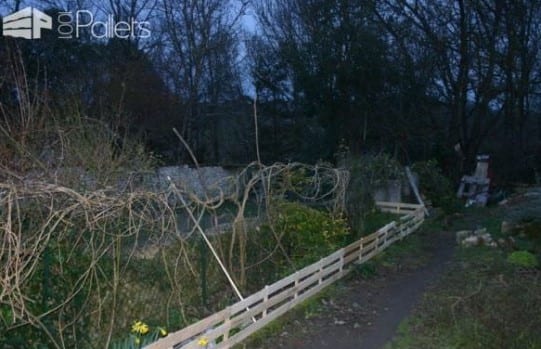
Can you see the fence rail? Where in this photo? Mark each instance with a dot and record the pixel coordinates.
(236, 322)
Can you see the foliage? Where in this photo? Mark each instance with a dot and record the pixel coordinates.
(523, 259)
(435, 186)
(307, 233)
(481, 302)
(367, 73)
(366, 270)
(95, 259)
(374, 220)
(141, 335)
(379, 168)
(367, 173)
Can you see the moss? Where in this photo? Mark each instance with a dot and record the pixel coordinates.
(523, 259)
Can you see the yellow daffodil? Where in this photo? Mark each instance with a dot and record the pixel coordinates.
(202, 342)
(140, 327)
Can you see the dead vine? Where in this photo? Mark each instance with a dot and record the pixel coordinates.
(47, 229)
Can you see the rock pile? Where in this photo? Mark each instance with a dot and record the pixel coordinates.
(478, 237)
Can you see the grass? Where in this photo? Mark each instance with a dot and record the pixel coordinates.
(478, 217)
(482, 302)
(375, 220)
(408, 252)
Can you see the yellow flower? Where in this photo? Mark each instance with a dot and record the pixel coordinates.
(140, 327)
(163, 332)
(202, 342)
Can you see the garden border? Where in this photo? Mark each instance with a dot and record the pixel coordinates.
(236, 322)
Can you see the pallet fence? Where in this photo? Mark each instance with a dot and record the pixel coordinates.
(233, 324)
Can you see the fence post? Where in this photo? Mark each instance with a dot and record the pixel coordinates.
(296, 294)
(385, 234)
(320, 271)
(203, 260)
(265, 299)
(341, 270)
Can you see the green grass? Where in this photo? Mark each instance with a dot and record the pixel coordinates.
(480, 217)
(375, 220)
(482, 302)
(410, 248)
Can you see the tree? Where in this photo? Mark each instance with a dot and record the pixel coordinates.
(341, 70)
(474, 44)
(197, 55)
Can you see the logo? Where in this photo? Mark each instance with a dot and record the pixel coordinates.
(26, 23)
(74, 24)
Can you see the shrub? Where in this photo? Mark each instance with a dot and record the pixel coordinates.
(436, 186)
(366, 173)
(523, 259)
(308, 234)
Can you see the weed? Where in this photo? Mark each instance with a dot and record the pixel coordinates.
(523, 259)
(366, 270)
(482, 302)
(437, 187)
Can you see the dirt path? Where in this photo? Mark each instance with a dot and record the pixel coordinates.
(365, 313)
(401, 295)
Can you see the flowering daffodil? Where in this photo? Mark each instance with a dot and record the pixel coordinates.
(140, 327)
(202, 342)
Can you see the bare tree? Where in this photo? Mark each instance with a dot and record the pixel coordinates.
(198, 55)
(484, 55)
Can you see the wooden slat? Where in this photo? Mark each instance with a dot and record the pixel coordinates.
(350, 258)
(277, 298)
(352, 247)
(238, 337)
(333, 257)
(232, 323)
(397, 204)
(369, 238)
(329, 265)
(188, 332)
(248, 302)
(302, 286)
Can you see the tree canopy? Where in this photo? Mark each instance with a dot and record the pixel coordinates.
(417, 79)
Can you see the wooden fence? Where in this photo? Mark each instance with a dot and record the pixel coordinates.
(236, 322)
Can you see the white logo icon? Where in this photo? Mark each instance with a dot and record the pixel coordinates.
(26, 23)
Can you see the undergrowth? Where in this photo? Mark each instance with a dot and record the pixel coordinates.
(488, 299)
(409, 251)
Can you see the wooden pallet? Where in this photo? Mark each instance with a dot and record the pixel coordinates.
(233, 324)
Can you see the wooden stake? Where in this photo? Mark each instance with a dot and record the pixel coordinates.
(415, 190)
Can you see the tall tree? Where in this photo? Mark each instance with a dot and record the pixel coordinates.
(198, 53)
(482, 50)
(341, 70)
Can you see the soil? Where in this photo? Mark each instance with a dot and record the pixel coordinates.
(365, 312)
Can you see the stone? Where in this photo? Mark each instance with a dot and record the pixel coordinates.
(462, 234)
(471, 241)
(506, 227)
(480, 231)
